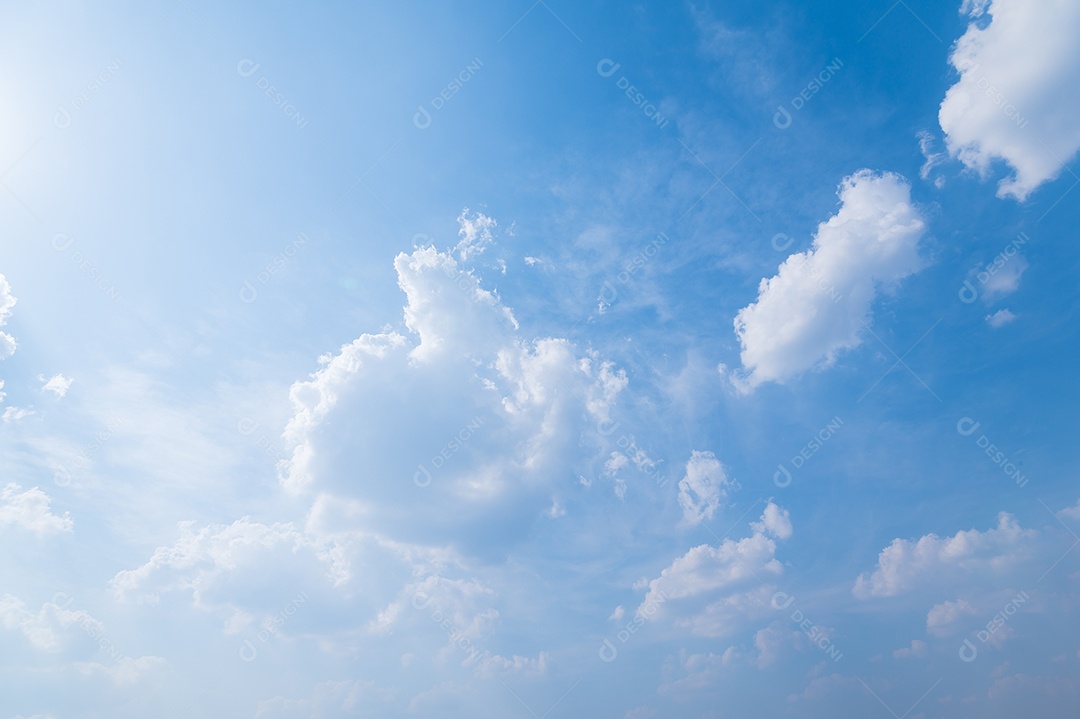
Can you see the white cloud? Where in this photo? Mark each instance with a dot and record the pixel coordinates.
(619, 488)
(7, 301)
(43, 627)
(905, 564)
(475, 233)
(476, 428)
(125, 671)
(943, 618)
(1016, 98)
(702, 670)
(31, 510)
(12, 415)
(1000, 318)
(243, 553)
(932, 158)
(711, 591)
(58, 384)
(772, 643)
(1072, 512)
(615, 462)
(917, 649)
(704, 488)
(774, 521)
(1005, 278)
(490, 665)
(619, 461)
(464, 605)
(815, 306)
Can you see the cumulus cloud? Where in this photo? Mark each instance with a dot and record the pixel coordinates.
(479, 429)
(7, 301)
(815, 306)
(58, 384)
(704, 488)
(943, 618)
(31, 510)
(422, 455)
(710, 590)
(204, 561)
(775, 521)
(44, 628)
(1005, 278)
(620, 461)
(1016, 98)
(905, 564)
(465, 604)
(1000, 318)
(917, 649)
(1072, 512)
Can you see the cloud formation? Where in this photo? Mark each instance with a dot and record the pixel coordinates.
(906, 564)
(7, 301)
(712, 591)
(815, 306)
(31, 510)
(459, 428)
(1016, 98)
(704, 488)
(58, 384)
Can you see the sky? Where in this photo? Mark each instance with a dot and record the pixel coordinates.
(539, 359)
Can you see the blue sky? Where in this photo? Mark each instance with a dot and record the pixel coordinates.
(539, 359)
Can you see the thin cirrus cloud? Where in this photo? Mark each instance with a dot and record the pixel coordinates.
(1016, 97)
(816, 305)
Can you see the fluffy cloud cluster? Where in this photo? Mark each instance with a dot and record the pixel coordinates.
(906, 564)
(815, 306)
(31, 510)
(460, 429)
(1016, 98)
(711, 591)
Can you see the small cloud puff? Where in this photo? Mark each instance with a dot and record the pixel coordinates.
(58, 384)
